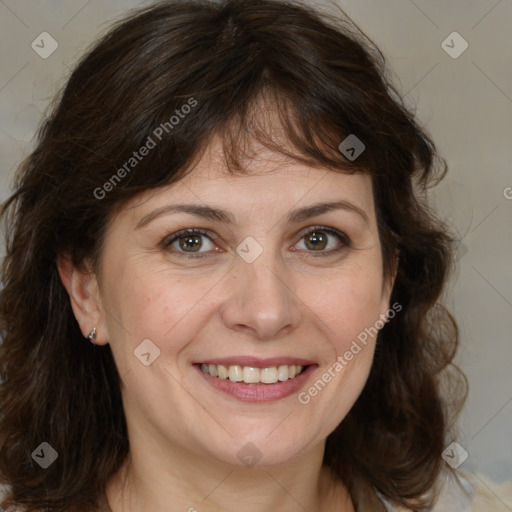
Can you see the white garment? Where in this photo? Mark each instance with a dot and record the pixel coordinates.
(474, 493)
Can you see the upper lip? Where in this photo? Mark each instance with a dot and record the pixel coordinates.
(256, 362)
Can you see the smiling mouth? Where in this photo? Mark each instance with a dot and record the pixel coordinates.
(252, 375)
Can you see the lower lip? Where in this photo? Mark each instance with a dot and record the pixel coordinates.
(259, 392)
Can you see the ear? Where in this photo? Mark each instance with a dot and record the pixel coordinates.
(387, 285)
(82, 287)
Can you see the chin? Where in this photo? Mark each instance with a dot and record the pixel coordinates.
(257, 448)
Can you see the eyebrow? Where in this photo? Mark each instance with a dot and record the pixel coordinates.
(217, 214)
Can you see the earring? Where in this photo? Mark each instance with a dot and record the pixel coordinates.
(92, 335)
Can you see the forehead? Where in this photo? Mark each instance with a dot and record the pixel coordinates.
(269, 180)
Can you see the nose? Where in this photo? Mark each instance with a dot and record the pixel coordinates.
(260, 301)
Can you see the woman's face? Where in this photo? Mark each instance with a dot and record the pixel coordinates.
(256, 295)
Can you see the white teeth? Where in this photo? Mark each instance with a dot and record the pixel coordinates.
(283, 373)
(251, 375)
(235, 373)
(223, 372)
(268, 375)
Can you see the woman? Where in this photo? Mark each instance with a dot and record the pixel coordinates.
(170, 341)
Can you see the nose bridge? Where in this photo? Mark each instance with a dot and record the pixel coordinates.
(259, 298)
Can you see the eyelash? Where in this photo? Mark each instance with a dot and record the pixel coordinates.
(344, 239)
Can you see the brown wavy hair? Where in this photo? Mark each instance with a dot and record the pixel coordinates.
(325, 79)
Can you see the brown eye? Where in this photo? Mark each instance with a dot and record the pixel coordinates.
(316, 240)
(192, 242)
(320, 238)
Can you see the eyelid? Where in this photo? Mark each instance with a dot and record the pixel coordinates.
(332, 231)
(168, 240)
(344, 241)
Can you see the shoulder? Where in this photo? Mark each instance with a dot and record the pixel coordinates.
(488, 495)
(456, 492)
(461, 492)
(465, 492)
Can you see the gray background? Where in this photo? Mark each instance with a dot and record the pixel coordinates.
(465, 103)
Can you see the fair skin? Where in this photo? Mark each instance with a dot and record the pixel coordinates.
(184, 432)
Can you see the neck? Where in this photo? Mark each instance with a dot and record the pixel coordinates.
(181, 482)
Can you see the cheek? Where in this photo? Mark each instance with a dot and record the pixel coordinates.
(155, 304)
(347, 304)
